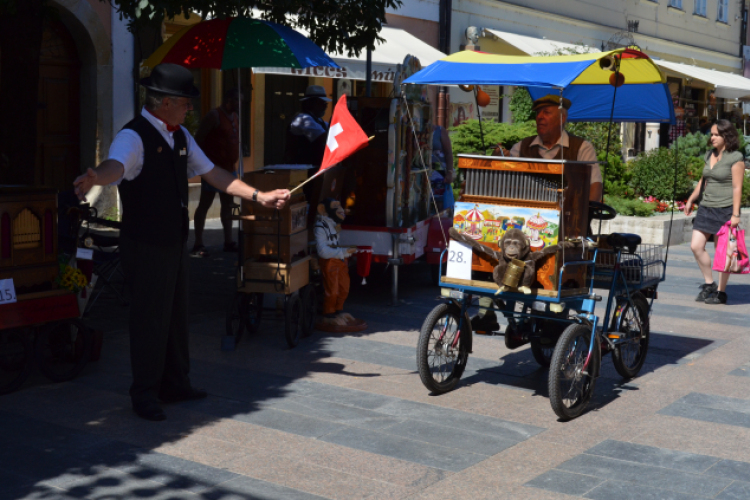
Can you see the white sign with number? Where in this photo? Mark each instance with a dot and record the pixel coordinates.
(459, 261)
(85, 254)
(7, 291)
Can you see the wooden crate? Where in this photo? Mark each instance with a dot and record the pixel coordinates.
(268, 180)
(289, 247)
(293, 276)
(293, 218)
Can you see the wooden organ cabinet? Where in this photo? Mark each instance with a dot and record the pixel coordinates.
(546, 199)
(28, 237)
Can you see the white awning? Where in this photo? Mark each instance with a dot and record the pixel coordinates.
(386, 56)
(728, 85)
(533, 46)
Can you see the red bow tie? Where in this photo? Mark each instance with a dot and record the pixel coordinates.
(170, 128)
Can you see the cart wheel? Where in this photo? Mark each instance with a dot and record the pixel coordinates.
(63, 349)
(253, 312)
(542, 349)
(16, 359)
(630, 352)
(570, 388)
(442, 352)
(309, 308)
(293, 315)
(237, 317)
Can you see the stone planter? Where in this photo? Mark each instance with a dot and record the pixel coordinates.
(655, 229)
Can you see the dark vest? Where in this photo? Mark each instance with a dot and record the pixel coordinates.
(300, 150)
(570, 153)
(154, 204)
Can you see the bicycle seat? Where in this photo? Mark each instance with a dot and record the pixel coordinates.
(618, 241)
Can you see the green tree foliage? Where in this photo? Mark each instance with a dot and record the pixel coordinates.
(335, 25)
(466, 138)
(653, 174)
(625, 206)
(520, 106)
(696, 144)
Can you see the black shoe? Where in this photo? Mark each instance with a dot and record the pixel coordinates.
(189, 395)
(150, 411)
(717, 298)
(707, 290)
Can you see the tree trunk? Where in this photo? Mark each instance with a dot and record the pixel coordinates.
(20, 46)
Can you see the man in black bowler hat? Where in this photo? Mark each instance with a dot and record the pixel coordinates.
(150, 160)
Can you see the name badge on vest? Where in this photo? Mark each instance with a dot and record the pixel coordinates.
(183, 152)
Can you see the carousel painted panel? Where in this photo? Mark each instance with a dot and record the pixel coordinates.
(488, 223)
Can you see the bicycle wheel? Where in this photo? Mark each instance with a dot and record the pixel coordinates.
(63, 349)
(630, 352)
(570, 387)
(237, 316)
(253, 312)
(15, 359)
(441, 351)
(542, 349)
(309, 309)
(293, 320)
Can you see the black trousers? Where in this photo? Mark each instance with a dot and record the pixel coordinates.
(158, 322)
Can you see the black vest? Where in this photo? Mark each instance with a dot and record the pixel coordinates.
(570, 153)
(154, 204)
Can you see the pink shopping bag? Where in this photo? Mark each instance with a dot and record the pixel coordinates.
(731, 251)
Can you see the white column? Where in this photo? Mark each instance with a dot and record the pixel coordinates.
(652, 136)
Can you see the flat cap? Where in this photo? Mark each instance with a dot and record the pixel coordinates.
(551, 100)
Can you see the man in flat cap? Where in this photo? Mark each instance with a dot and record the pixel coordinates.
(307, 134)
(553, 141)
(150, 160)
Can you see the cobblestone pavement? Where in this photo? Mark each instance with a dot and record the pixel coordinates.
(346, 416)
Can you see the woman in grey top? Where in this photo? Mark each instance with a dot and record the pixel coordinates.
(722, 192)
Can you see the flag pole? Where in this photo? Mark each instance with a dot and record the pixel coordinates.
(319, 172)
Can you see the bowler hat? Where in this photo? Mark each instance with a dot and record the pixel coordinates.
(550, 100)
(315, 92)
(171, 79)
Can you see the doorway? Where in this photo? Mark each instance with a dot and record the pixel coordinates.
(58, 109)
(282, 104)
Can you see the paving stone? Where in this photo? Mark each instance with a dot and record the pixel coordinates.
(712, 415)
(293, 423)
(120, 485)
(451, 437)
(735, 491)
(731, 469)
(617, 490)
(565, 482)
(645, 475)
(334, 412)
(242, 488)
(410, 450)
(649, 455)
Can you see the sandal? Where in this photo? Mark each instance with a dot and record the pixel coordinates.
(230, 247)
(199, 251)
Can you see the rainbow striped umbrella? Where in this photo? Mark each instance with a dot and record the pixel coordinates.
(239, 42)
(585, 79)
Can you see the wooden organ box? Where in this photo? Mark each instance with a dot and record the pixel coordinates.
(546, 199)
(28, 237)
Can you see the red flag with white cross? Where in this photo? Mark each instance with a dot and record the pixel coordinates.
(345, 136)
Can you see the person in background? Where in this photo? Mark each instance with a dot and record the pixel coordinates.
(721, 184)
(219, 137)
(150, 160)
(442, 154)
(307, 134)
(705, 125)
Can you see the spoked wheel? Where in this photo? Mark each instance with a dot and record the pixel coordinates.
(570, 385)
(542, 349)
(442, 353)
(253, 312)
(16, 359)
(293, 316)
(630, 351)
(237, 316)
(309, 308)
(63, 349)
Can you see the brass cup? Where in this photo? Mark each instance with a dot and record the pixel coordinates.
(513, 273)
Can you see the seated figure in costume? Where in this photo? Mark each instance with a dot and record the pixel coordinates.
(334, 269)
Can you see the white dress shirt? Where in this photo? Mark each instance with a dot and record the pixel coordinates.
(585, 153)
(127, 148)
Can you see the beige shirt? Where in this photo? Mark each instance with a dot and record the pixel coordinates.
(586, 153)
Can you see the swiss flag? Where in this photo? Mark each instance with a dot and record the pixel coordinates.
(345, 137)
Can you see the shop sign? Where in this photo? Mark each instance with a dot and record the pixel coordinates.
(342, 72)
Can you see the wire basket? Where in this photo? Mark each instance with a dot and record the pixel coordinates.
(642, 268)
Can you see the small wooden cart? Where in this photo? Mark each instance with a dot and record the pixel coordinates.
(43, 323)
(274, 257)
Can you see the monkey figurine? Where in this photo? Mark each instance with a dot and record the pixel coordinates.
(513, 245)
(334, 269)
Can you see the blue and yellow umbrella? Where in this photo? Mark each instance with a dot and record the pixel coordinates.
(588, 80)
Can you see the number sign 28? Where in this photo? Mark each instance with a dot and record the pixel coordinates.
(459, 261)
